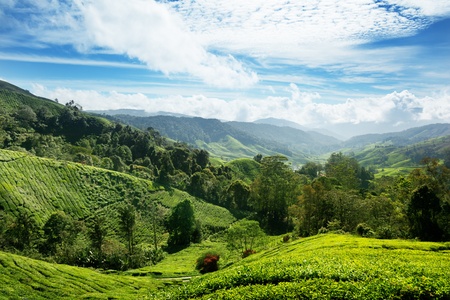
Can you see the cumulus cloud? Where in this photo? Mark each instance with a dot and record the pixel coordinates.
(149, 32)
(144, 30)
(301, 107)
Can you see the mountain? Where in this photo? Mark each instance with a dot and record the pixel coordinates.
(237, 139)
(134, 112)
(281, 123)
(402, 138)
(307, 142)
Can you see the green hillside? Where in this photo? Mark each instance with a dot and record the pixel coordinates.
(41, 186)
(26, 278)
(330, 267)
(388, 155)
(320, 267)
(245, 169)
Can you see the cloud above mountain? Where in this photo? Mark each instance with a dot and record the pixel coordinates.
(304, 108)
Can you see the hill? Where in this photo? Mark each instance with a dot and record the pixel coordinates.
(402, 138)
(41, 186)
(26, 278)
(231, 140)
(320, 267)
(330, 267)
(389, 155)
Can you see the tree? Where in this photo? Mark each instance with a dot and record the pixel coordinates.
(273, 191)
(127, 214)
(21, 232)
(423, 211)
(59, 230)
(181, 224)
(311, 169)
(244, 235)
(237, 195)
(344, 169)
(202, 158)
(97, 233)
(313, 210)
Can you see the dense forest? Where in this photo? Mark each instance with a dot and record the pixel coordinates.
(339, 195)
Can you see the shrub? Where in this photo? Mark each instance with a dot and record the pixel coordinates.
(208, 263)
(248, 252)
(363, 229)
(322, 230)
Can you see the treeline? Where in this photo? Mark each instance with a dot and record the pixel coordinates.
(68, 133)
(343, 196)
(138, 240)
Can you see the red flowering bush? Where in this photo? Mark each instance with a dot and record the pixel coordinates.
(248, 252)
(208, 263)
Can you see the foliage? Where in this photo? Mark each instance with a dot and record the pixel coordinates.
(329, 267)
(207, 263)
(244, 235)
(127, 215)
(273, 191)
(363, 229)
(25, 278)
(181, 224)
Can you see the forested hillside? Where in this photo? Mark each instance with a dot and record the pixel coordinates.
(249, 139)
(402, 138)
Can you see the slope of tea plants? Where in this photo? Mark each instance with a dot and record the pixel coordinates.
(245, 168)
(41, 186)
(25, 278)
(330, 267)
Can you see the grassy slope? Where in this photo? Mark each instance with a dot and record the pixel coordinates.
(331, 267)
(246, 169)
(41, 186)
(25, 278)
(389, 156)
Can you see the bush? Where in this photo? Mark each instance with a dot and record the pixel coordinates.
(385, 232)
(208, 262)
(363, 229)
(322, 230)
(248, 252)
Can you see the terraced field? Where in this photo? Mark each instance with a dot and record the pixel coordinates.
(25, 278)
(330, 267)
(41, 186)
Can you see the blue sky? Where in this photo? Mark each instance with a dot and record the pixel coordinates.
(381, 64)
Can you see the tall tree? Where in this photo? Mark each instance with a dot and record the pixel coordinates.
(127, 214)
(181, 224)
(423, 211)
(97, 233)
(22, 231)
(344, 169)
(237, 195)
(273, 191)
(59, 230)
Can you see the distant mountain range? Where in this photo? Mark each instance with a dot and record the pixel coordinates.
(230, 140)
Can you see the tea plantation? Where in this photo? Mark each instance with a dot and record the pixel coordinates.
(330, 267)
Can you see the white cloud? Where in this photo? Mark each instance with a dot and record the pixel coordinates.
(300, 107)
(141, 29)
(435, 8)
(148, 31)
(305, 30)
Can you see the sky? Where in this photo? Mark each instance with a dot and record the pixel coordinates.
(352, 67)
